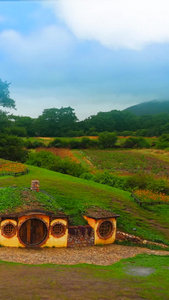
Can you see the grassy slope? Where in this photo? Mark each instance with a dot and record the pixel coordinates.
(75, 195)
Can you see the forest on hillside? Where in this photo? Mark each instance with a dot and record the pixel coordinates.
(63, 122)
(55, 122)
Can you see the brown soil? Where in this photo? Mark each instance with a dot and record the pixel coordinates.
(98, 255)
(24, 282)
(20, 282)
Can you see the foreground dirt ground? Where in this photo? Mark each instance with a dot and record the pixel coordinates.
(59, 282)
(97, 255)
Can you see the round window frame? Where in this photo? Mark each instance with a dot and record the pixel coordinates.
(60, 234)
(8, 235)
(109, 234)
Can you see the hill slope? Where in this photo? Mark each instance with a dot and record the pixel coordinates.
(150, 108)
(74, 196)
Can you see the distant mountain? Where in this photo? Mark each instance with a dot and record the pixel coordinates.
(150, 108)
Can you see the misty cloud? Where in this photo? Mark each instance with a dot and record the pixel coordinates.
(41, 45)
(116, 24)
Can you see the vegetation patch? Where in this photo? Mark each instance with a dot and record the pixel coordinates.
(148, 197)
(126, 161)
(14, 200)
(12, 168)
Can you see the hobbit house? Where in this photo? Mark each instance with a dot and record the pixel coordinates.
(34, 225)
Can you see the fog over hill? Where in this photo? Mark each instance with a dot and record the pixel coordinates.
(150, 108)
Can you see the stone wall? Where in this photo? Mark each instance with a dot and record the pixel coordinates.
(80, 236)
(122, 236)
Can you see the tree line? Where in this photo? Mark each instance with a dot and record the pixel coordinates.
(63, 122)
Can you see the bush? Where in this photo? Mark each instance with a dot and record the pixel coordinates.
(129, 183)
(48, 160)
(74, 144)
(87, 176)
(55, 143)
(107, 139)
(33, 144)
(108, 179)
(11, 148)
(66, 166)
(134, 142)
(42, 159)
(138, 181)
(17, 131)
(163, 142)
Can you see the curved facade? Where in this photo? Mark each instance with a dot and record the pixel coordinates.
(38, 228)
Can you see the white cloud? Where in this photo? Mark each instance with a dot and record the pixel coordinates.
(116, 24)
(42, 45)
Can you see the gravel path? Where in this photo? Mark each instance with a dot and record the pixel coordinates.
(98, 255)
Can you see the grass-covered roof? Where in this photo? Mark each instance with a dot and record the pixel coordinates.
(14, 201)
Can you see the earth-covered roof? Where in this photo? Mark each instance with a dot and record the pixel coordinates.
(100, 213)
(16, 201)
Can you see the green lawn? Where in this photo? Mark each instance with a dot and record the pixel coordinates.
(75, 195)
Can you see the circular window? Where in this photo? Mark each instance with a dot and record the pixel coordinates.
(58, 229)
(105, 229)
(8, 230)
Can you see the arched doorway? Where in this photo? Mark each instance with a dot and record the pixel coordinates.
(33, 232)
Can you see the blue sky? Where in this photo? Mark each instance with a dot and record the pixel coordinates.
(95, 55)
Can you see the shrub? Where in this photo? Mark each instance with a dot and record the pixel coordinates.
(48, 160)
(42, 159)
(87, 176)
(134, 142)
(109, 179)
(11, 148)
(163, 142)
(17, 131)
(107, 139)
(55, 143)
(66, 166)
(74, 144)
(138, 181)
(33, 144)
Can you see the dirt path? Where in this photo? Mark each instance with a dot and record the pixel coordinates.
(98, 255)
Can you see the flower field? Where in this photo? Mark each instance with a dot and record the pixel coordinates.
(7, 167)
(127, 161)
(149, 196)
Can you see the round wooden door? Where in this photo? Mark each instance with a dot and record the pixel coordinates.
(33, 232)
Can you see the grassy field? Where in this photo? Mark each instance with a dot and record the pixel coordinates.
(129, 161)
(141, 277)
(74, 196)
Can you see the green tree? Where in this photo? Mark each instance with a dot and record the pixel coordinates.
(4, 121)
(107, 139)
(5, 99)
(24, 122)
(56, 122)
(11, 148)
